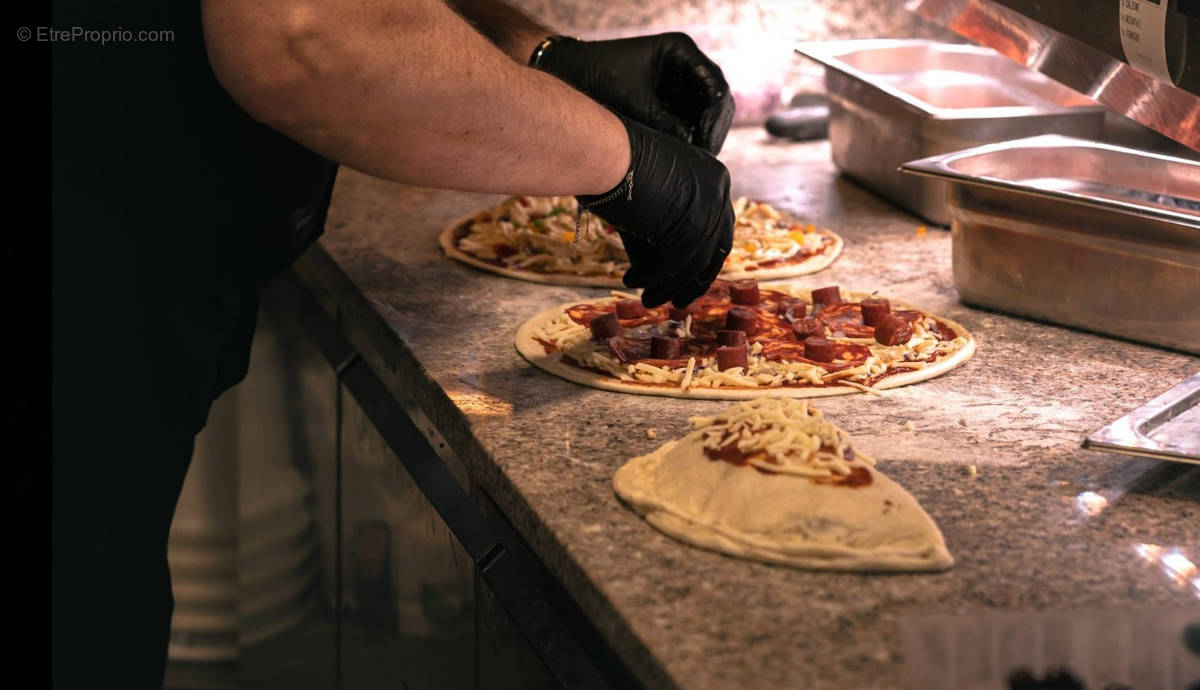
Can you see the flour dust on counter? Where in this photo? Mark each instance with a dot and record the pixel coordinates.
(551, 240)
(773, 480)
(742, 341)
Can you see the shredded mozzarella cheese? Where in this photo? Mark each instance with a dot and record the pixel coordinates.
(538, 234)
(781, 435)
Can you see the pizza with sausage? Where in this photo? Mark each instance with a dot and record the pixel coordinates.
(533, 238)
(742, 340)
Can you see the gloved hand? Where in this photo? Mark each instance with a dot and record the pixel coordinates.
(662, 81)
(674, 215)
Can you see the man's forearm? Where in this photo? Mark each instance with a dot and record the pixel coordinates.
(513, 31)
(407, 90)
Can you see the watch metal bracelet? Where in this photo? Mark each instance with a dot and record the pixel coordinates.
(535, 60)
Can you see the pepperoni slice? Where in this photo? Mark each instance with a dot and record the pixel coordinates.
(729, 338)
(847, 354)
(630, 309)
(892, 331)
(874, 309)
(745, 292)
(605, 326)
(742, 319)
(845, 318)
(732, 356)
(664, 347)
(809, 326)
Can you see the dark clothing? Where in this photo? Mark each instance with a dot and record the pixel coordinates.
(114, 493)
(170, 207)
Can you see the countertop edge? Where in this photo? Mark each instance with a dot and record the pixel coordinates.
(389, 357)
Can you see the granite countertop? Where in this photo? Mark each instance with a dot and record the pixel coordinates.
(545, 449)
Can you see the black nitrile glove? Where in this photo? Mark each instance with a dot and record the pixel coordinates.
(662, 81)
(674, 215)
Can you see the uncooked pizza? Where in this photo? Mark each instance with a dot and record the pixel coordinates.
(742, 340)
(773, 480)
(533, 238)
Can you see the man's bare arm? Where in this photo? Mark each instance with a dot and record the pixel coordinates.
(513, 31)
(407, 90)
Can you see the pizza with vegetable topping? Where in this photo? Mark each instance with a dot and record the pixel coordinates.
(742, 340)
(533, 238)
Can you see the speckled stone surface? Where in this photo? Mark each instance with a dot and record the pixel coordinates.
(545, 449)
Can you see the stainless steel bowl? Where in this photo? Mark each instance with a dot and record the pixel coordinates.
(893, 101)
(1077, 232)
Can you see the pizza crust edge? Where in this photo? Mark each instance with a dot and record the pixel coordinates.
(446, 241)
(450, 248)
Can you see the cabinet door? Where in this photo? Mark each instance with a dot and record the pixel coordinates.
(408, 583)
(286, 450)
(506, 659)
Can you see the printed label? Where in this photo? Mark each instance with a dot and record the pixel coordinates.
(1143, 26)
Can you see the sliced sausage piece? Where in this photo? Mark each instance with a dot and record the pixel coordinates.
(681, 313)
(729, 338)
(664, 347)
(742, 319)
(791, 309)
(874, 309)
(826, 295)
(892, 330)
(627, 349)
(630, 309)
(810, 326)
(820, 349)
(732, 356)
(744, 292)
(605, 326)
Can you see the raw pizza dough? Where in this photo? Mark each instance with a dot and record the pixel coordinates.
(546, 254)
(777, 500)
(531, 343)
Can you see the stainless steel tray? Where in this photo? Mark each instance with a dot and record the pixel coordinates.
(894, 100)
(1166, 428)
(1077, 232)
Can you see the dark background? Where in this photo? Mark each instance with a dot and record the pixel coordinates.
(24, 282)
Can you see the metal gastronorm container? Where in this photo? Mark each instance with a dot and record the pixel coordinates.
(1077, 232)
(896, 100)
